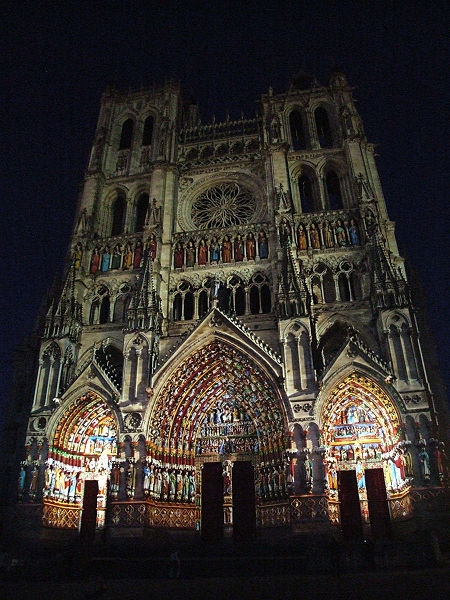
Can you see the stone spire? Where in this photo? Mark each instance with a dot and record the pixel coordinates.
(64, 317)
(388, 286)
(144, 313)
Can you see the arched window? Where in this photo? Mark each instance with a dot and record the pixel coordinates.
(266, 301)
(297, 131)
(239, 301)
(104, 311)
(333, 191)
(121, 307)
(306, 194)
(225, 299)
(355, 285)
(118, 215)
(323, 127)
(188, 306)
(203, 304)
(141, 212)
(148, 131)
(127, 135)
(254, 300)
(177, 306)
(95, 308)
(344, 287)
(329, 288)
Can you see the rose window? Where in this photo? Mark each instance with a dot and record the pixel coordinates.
(224, 205)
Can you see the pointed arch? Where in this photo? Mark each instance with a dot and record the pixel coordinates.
(84, 442)
(212, 374)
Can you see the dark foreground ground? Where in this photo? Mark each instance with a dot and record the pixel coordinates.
(274, 567)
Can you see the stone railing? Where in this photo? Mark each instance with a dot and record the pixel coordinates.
(227, 129)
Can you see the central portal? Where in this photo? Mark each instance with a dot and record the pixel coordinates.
(220, 419)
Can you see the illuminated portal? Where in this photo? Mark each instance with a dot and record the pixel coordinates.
(361, 431)
(83, 447)
(218, 406)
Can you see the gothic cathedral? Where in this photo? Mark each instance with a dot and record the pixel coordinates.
(236, 344)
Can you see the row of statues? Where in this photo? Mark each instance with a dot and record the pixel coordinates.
(169, 485)
(271, 483)
(221, 250)
(121, 256)
(321, 235)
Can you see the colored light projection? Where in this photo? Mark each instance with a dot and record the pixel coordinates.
(84, 444)
(362, 431)
(217, 403)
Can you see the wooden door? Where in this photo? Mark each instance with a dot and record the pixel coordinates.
(212, 502)
(380, 522)
(244, 506)
(89, 514)
(350, 509)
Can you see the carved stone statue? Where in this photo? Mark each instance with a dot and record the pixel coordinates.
(153, 218)
(284, 203)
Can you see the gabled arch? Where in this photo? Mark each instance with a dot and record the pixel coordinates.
(211, 372)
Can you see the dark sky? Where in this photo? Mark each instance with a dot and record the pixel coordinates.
(58, 58)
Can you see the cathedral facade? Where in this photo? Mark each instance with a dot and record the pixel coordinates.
(235, 344)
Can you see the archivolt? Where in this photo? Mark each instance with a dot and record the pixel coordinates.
(216, 371)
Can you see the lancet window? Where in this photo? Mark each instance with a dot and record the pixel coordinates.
(342, 285)
(100, 307)
(233, 296)
(260, 298)
(323, 128)
(297, 130)
(148, 131)
(126, 135)
(141, 211)
(118, 215)
(121, 304)
(305, 186)
(334, 193)
(67, 368)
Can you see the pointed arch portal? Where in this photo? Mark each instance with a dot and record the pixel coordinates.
(83, 447)
(218, 407)
(365, 457)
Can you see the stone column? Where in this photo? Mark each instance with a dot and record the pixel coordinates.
(51, 375)
(38, 384)
(138, 371)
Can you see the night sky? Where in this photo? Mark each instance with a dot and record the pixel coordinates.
(59, 57)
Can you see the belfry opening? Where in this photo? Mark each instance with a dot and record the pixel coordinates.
(84, 445)
(218, 428)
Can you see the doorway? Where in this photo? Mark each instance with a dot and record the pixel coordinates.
(380, 522)
(216, 513)
(349, 505)
(244, 506)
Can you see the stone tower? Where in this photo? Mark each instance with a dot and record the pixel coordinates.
(234, 295)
